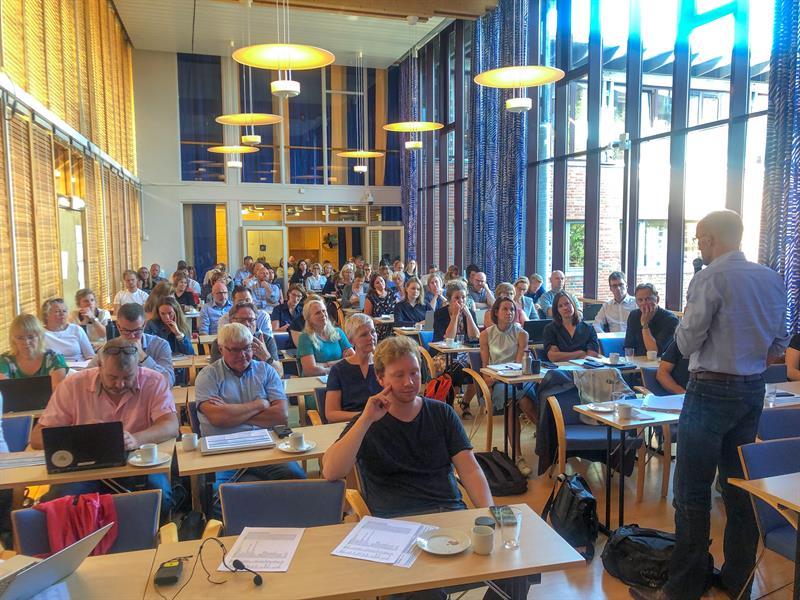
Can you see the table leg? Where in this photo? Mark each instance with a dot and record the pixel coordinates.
(640, 466)
(513, 423)
(194, 484)
(505, 417)
(667, 458)
(607, 528)
(622, 435)
(796, 594)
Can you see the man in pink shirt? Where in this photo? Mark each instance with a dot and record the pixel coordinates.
(117, 390)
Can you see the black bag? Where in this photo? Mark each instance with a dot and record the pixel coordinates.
(639, 556)
(191, 526)
(573, 513)
(501, 473)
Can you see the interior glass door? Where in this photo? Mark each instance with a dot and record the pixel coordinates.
(385, 243)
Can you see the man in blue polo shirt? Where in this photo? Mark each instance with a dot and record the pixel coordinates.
(237, 393)
(212, 311)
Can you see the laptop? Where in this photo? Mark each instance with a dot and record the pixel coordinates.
(82, 447)
(535, 330)
(24, 395)
(428, 326)
(37, 576)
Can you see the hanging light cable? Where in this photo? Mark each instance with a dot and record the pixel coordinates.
(362, 154)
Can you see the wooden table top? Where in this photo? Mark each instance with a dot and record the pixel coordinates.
(780, 491)
(194, 463)
(295, 386)
(445, 349)
(315, 573)
(611, 419)
(122, 576)
(38, 475)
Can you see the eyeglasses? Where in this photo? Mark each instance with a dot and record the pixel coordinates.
(616, 285)
(241, 350)
(114, 350)
(26, 338)
(243, 320)
(131, 332)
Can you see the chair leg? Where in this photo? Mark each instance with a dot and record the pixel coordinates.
(487, 410)
(667, 467)
(640, 468)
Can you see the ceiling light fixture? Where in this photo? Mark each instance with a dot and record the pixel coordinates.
(361, 134)
(248, 119)
(519, 76)
(232, 149)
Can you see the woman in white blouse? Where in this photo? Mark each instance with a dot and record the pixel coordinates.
(60, 336)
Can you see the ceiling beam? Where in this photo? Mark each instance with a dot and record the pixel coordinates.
(424, 9)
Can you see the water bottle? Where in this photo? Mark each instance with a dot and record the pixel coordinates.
(527, 361)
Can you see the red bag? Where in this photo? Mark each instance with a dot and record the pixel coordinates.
(440, 388)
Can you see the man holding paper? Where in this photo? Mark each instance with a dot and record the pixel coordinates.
(406, 447)
(237, 393)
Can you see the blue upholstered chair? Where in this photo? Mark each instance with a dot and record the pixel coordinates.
(194, 421)
(590, 311)
(425, 339)
(320, 392)
(777, 423)
(776, 374)
(295, 503)
(768, 459)
(612, 344)
(17, 432)
(651, 383)
(137, 518)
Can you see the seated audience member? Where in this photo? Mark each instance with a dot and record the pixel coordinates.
(399, 286)
(398, 266)
(453, 272)
(67, 339)
(479, 291)
(327, 270)
(547, 299)
(27, 355)
(145, 281)
(185, 297)
(386, 273)
(396, 433)
(222, 276)
(367, 268)
(316, 281)
(194, 285)
(264, 347)
(410, 311)
(154, 352)
(88, 315)
(673, 370)
(131, 293)
(266, 294)
(162, 290)
(567, 337)
(537, 289)
(434, 293)
(351, 293)
(284, 314)
(525, 304)
(650, 327)
(613, 315)
(505, 341)
(170, 325)
(411, 269)
(239, 393)
(212, 311)
(336, 285)
(118, 390)
(380, 301)
(155, 274)
(242, 294)
(244, 271)
(300, 273)
(321, 345)
(793, 359)
(352, 380)
(503, 290)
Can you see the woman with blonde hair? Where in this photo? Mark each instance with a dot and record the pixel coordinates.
(503, 290)
(410, 311)
(161, 291)
(316, 281)
(60, 336)
(321, 345)
(89, 316)
(28, 356)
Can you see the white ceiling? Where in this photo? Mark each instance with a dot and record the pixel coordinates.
(166, 25)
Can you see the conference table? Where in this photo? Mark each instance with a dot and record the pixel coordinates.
(315, 573)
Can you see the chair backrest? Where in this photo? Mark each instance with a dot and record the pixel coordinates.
(590, 311)
(776, 374)
(535, 330)
(427, 366)
(294, 503)
(194, 421)
(651, 383)
(137, 519)
(768, 459)
(612, 344)
(566, 400)
(283, 340)
(778, 423)
(17, 432)
(320, 392)
(475, 361)
(425, 338)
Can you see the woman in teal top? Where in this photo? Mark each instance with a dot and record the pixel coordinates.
(28, 356)
(321, 345)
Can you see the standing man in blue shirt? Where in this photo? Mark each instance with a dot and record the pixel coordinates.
(212, 311)
(729, 344)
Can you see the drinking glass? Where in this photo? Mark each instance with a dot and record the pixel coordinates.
(769, 396)
(459, 340)
(630, 353)
(510, 529)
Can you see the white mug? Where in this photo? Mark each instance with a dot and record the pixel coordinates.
(482, 539)
(613, 358)
(297, 441)
(652, 355)
(148, 453)
(624, 411)
(450, 342)
(189, 442)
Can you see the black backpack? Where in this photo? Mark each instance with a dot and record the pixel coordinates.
(573, 513)
(501, 473)
(639, 556)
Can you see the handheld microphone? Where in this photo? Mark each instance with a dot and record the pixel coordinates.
(697, 263)
(240, 566)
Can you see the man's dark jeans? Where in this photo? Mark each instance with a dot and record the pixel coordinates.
(717, 418)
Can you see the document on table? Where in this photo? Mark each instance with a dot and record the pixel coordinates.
(78, 364)
(411, 553)
(323, 378)
(509, 366)
(380, 540)
(668, 404)
(21, 459)
(265, 549)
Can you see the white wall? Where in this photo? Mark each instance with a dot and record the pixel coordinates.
(155, 80)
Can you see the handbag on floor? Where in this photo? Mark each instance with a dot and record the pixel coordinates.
(502, 475)
(573, 513)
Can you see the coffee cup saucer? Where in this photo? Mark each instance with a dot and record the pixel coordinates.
(285, 446)
(135, 459)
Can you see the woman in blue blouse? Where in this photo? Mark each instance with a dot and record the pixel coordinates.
(410, 311)
(171, 325)
(321, 345)
(567, 337)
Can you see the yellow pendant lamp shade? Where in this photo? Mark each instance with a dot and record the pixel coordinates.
(233, 149)
(360, 154)
(413, 126)
(284, 57)
(248, 119)
(521, 76)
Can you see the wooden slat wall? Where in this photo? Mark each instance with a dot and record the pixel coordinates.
(48, 245)
(6, 264)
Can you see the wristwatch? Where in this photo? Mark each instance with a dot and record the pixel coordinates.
(646, 326)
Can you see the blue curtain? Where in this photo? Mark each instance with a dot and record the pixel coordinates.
(204, 236)
(305, 129)
(780, 219)
(498, 151)
(409, 180)
(392, 170)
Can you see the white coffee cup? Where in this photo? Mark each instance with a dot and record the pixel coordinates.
(418, 326)
(189, 442)
(624, 411)
(450, 342)
(613, 358)
(297, 441)
(482, 539)
(148, 453)
(652, 355)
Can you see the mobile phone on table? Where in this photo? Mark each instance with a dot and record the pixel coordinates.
(502, 514)
(282, 431)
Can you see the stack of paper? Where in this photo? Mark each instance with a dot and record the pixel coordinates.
(264, 549)
(668, 404)
(386, 541)
(21, 459)
(509, 366)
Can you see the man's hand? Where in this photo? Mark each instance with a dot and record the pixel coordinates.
(648, 312)
(131, 443)
(260, 349)
(377, 406)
